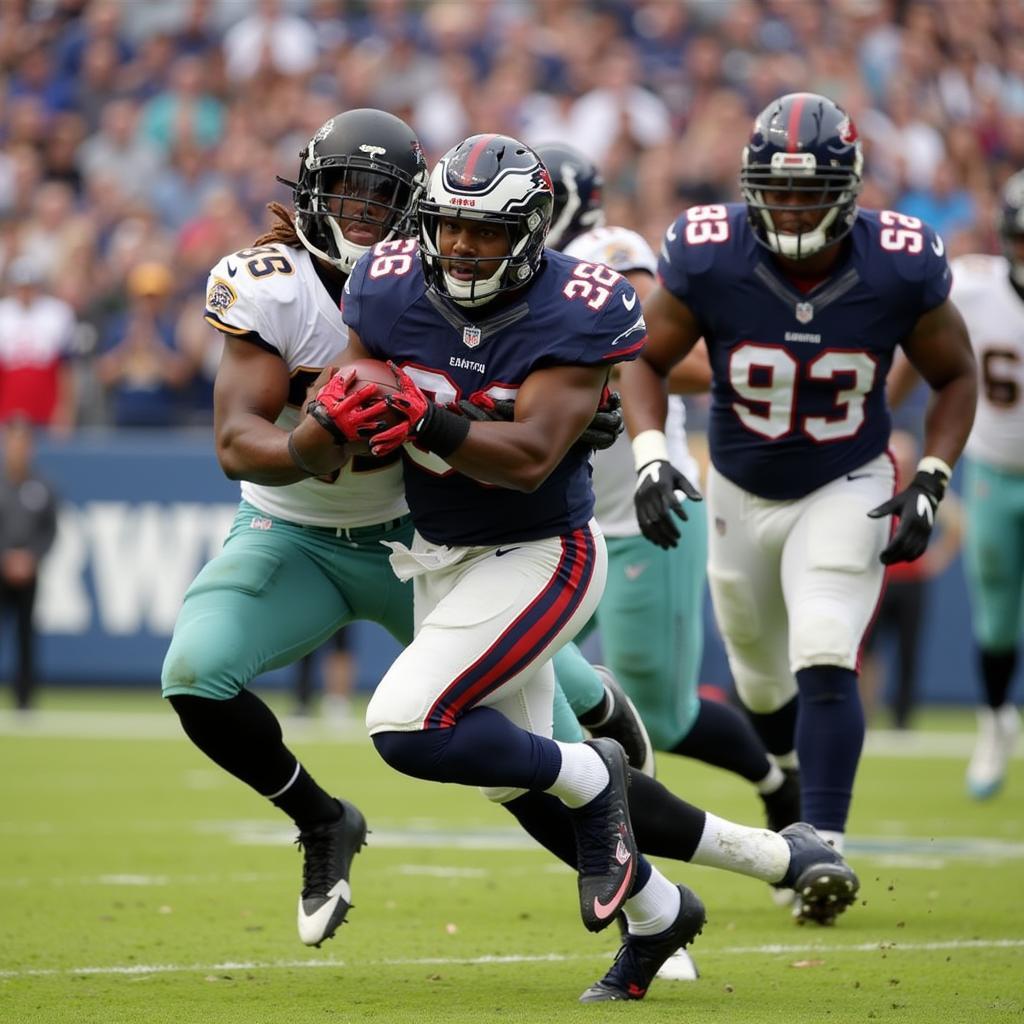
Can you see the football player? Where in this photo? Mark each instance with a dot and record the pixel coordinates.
(651, 614)
(989, 291)
(304, 554)
(802, 300)
(507, 561)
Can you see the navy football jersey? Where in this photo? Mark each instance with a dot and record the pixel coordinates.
(798, 385)
(572, 313)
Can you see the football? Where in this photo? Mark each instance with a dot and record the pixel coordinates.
(373, 371)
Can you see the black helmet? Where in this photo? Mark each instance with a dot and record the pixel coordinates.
(365, 155)
(802, 143)
(578, 185)
(1011, 223)
(499, 180)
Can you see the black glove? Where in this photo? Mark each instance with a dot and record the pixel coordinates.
(915, 508)
(658, 485)
(601, 432)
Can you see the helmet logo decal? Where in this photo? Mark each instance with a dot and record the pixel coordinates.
(325, 129)
(545, 176)
(372, 150)
(847, 131)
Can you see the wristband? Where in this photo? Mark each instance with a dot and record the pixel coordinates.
(441, 431)
(933, 464)
(297, 458)
(649, 446)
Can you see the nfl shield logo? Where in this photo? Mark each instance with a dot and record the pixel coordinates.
(471, 336)
(804, 312)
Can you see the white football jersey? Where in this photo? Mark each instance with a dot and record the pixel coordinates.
(994, 313)
(614, 474)
(271, 296)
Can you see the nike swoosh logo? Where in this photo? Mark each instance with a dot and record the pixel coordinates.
(504, 551)
(634, 571)
(938, 246)
(857, 476)
(670, 233)
(631, 303)
(924, 509)
(602, 911)
(232, 270)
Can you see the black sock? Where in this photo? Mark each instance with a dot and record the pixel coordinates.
(997, 668)
(722, 736)
(664, 825)
(777, 729)
(829, 737)
(244, 738)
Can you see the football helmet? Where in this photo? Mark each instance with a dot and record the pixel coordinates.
(366, 157)
(807, 146)
(498, 180)
(1011, 225)
(577, 185)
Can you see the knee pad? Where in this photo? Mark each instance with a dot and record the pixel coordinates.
(824, 636)
(735, 609)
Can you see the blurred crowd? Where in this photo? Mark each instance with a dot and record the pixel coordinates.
(140, 142)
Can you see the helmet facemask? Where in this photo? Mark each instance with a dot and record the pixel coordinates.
(833, 191)
(380, 197)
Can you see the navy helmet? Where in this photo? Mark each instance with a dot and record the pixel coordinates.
(502, 182)
(578, 186)
(806, 144)
(365, 155)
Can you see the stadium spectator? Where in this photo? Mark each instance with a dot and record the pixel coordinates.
(269, 42)
(140, 365)
(36, 336)
(28, 526)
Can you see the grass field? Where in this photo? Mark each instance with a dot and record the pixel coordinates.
(138, 883)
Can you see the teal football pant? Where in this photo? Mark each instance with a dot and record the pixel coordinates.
(276, 592)
(994, 553)
(651, 619)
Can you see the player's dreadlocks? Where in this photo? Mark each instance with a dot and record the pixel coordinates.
(283, 230)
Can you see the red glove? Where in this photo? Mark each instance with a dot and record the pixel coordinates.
(348, 416)
(436, 429)
(411, 404)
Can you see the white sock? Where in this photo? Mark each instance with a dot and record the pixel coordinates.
(835, 839)
(748, 851)
(582, 776)
(654, 907)
(772, 781)
(787, 760)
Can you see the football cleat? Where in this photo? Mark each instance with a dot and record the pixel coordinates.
(680, 966)
(641, 957)
(623, 723)
(328, 850)
(606, 852)
(998, 729)
(782, 807)
(825, 885)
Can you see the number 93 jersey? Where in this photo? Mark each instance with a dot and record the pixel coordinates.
(798, 379)
(570, 314)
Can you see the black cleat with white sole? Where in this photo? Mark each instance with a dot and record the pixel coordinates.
(328, 850)
(624, 724)
(824, 884)
(641, 956)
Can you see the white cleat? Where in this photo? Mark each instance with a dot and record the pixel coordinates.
(998, 730)
(679, 967)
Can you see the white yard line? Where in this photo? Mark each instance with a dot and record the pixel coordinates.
(258, 965)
